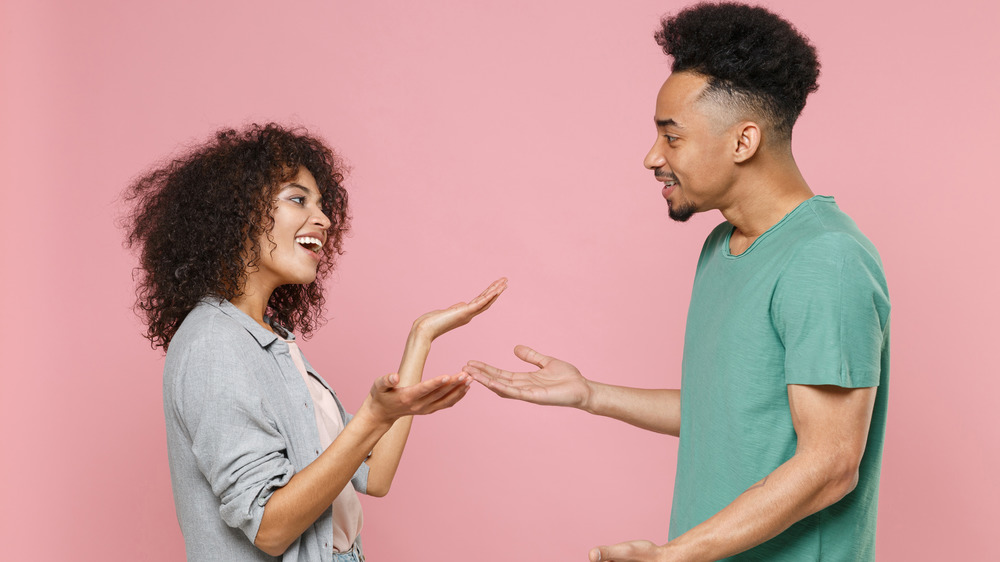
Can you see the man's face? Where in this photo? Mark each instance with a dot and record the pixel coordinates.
(692, 154)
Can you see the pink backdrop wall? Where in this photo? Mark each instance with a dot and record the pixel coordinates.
(486, 139)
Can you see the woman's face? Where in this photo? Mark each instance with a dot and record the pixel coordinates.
(291, 251)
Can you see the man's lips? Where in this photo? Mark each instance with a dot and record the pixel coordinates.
(669, 184)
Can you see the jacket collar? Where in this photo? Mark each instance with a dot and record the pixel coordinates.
(263, 336)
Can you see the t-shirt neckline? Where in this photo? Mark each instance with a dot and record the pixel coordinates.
(776, 226)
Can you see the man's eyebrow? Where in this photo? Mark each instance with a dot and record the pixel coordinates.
(667, 123)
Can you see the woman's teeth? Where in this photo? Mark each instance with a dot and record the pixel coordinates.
(309, 242)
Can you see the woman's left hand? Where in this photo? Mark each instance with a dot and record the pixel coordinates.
(437, 322)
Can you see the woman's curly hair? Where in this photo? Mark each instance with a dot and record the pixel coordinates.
(197, 220)
(756, 58)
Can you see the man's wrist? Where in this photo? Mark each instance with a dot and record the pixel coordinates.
(590, 401)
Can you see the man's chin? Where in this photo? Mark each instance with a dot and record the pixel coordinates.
(680, 213)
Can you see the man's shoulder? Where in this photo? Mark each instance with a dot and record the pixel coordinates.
(826, 229)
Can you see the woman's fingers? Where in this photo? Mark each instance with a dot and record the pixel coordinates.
(384, 383)
(428, 399)
(489, 296)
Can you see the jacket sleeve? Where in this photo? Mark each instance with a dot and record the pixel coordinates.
(234, 436)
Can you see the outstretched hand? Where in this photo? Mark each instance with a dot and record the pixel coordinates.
(555, 383)
(438, 322)
(390, 402)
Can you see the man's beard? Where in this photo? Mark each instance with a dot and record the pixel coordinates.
(680, 213)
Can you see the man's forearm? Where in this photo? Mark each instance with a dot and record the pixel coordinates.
(798, 488)
(657, 410)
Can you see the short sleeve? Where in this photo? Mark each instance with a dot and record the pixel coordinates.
(234, 438)
(831, 308)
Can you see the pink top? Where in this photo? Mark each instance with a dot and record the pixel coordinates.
(347, 517)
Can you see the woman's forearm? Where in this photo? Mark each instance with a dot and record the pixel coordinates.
(385, 457)
(295, 506)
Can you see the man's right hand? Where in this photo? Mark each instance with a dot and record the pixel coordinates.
(555, 383)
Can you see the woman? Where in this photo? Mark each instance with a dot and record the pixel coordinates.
(235, 237)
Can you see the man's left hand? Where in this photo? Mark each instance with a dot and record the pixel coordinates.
(632, 551)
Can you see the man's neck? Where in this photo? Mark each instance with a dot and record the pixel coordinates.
(765, 196)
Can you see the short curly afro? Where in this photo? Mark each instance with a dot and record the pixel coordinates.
(197, 220)
(752, 56)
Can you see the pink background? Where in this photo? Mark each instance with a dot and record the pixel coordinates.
(486, 139)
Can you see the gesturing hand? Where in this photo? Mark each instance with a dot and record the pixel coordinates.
(390, 402)
(437, 322)
(556, 383)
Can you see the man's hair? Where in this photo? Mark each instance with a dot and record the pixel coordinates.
(754, 61)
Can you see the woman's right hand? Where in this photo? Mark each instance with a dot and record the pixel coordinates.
(388, 402)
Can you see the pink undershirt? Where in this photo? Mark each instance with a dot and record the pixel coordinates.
(347, 517)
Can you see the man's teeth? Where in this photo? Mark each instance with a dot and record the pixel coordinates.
(313, 244)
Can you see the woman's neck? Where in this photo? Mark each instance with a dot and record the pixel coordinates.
(253, 303)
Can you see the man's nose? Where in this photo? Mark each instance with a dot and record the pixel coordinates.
(654, 159)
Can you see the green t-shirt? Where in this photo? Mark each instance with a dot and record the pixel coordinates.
(806, 303)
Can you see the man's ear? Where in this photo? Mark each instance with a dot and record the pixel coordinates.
(747, 141)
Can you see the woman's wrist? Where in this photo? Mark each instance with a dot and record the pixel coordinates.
(421, 333)
(372, 418)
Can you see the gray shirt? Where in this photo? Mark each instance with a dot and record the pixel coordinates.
(240, 423)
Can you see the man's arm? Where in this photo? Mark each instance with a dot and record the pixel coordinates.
(557, 383)
(831, 424)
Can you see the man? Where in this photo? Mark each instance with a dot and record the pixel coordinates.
(781, 410)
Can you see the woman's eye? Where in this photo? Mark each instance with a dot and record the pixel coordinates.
(298, 199)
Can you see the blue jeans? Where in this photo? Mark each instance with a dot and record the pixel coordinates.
(353, 555)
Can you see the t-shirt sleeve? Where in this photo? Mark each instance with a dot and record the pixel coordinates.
(234, 438)
(831, 310)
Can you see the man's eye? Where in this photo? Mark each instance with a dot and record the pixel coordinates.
(670, 138)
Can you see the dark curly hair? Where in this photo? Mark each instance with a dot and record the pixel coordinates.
(197, 220)
(749, 55)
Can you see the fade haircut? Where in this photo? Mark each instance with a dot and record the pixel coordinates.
(755, 62)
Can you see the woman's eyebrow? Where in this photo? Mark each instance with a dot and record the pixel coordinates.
(308, 190)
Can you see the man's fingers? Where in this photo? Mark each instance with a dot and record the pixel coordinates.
(503, 389)
(525, 353)
(632, 551)
(478, 367)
